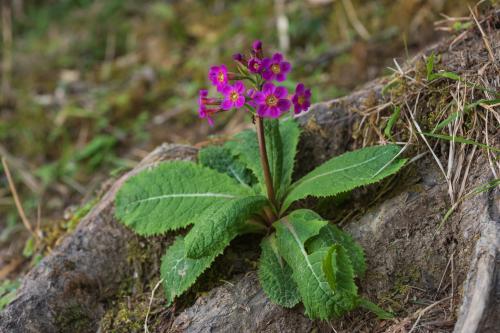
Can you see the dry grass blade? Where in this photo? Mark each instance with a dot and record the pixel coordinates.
(16, 197)
(485, 39)
(424, 310)
(146, 330)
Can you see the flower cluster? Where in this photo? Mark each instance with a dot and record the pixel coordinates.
(263, 98)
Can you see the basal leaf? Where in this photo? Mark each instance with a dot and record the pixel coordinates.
(290, 133)
(281, 152)
(275, 275)
(220, 159)
(330, 235)
(291, 234)
(218, 225)
(180, 272)
(346, 172)
(172, 195)
(246, 148)
(274, 149)
(339, 272)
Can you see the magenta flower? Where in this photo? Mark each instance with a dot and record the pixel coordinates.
(301, 99)
(257, 46)
(240, 58)
(255, 65)
(275, 68)
(251, 97)
(203, 111)
(234, 96)
(219, 77)
(272, 101)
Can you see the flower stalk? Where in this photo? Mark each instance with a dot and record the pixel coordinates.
(265, 166)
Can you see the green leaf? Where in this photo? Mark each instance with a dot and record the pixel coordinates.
(246, 148)
(461, 140)
(7, 292)
(338, 270)
(290, 133)
(180, 272)
(377, 310)
(319, 299)
(330, 235)
(281, 152)
(171, 196)
(275, 275)
(392, 120)
(274, 150)
(220, 159)
(346, 172)
(467, 109)
(220, 224)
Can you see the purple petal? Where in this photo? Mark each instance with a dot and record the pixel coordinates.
(267, 74)
(299, 90)
(223, 69)
(259, 97)
(239, 87)
(307, 93)
(277, 57)
(266, 63)
(274, 112)
(268, 88)
(210, 121)
(295, 99)
(285, 67)
(240, 102)
(262, 110)
(227, 104)
(202, 112)
(280, 77)
(226, 89)
(281, 92)
(257, 45)
(284, 105)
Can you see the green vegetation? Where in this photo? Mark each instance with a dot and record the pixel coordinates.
(306, 259)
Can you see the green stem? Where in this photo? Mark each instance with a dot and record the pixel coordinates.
(265, 165)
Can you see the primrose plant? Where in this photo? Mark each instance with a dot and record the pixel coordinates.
(245, 186)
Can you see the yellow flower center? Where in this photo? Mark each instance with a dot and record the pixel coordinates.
(276, 68)
(301, 100)
(234, 96)
(271, 100)
(256, 66)
(220, 77)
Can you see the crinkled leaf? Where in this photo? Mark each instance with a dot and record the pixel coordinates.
(290, 133)
(330, 235)
(172, 195)
(338, 270)
(220, 224)
(281, 152)
(180, 272)
(319, 299)
(220, 159)
(275, 275)
(274, 149)
(346, 172)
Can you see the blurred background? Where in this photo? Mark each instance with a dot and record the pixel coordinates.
(89, 87)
